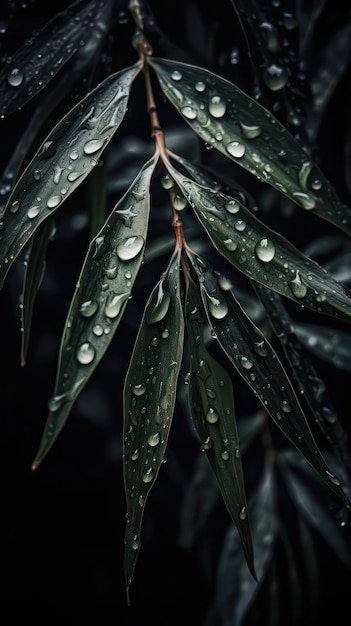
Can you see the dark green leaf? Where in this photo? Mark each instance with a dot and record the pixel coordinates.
(330, 344)
(243, 130)
(211, 403)
(149, 401)
(48, 50)
(66, 157)
(258, 364)
(33, 275)
(102, 292)
(261, 253)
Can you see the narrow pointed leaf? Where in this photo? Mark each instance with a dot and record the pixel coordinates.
(243, 130)
(258, 364)
(212, 409)
(149, 401)
(66, 157)
(33, 275)
(263, 254)
(330, 344)
(48, 50)
(103, 289)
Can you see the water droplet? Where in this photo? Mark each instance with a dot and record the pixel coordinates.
(139, 389)
(15, 77)
(250, 131)
(167, 182)
(53, 202)
(245, 362)
(154, 440)
(275, 77)
(304, 200)
(33, 212)
(217, 106)
(232, 206)
(57, 174)
(179, 202)
(165, 333)
(14, 206)
(225, 455)
(176, 75)
(114, 303)
(200, 86)
(130, 247)
(85, 353)
(74, 155)
(297, 287)
(98, 330)
(230, 245)
(333, 479)
(72, 176)
(56, 402)
(210, 393)
(37, 174)
(135, 543)
(240, 225)
(217, 308)
(159, 305)
(260, 348)
(265, 250)
(207, 444)
(235, 149)
(148, 476)
(94, 145)
(243, 514)
(111, 270)
(212, 416)
(286, 406)
(135, 455)
(316, 184)
(88, 308)
(189, 112)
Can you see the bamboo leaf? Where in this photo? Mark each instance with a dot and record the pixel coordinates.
(258, 364)
(102, 292)
(48, 50)
(65, 158)
(33, 275)
(149, 401)
(244, 131)
(211, 403)
(330, 344)
(263, 254)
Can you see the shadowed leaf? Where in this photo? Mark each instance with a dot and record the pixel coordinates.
(149, 401)
(211, 404)
(333, 345)
(66, 157)
(48, 50)
(103, 289)
(243, 130)
(258, 364)
(261, 253)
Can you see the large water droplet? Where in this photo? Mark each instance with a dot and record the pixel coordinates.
(297, 287)
(232, 206)
(154, 440)
(304, 200)
(139, 389)
(176, 75)
(114, 304)
(235, 149)
(217, 308)
(230, 245)
(245, 362)
(94, 145)
(130, 247)
(33, 212)
(85, 353)
(15, 77)
(200, 86)
(148, 476)
(217, 106)
(88, 308)
(265, 250)
(250, 131)
(53, 202)
(243, 514)
(179, 202)
(159, 305)
(212, 416)
(275, 77)
(189, 112)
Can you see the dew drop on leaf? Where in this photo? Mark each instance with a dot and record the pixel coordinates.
(217, 106)
(176, 75)
(217, 308)
(93, 146)
(130, 247)
(200, 86)
(242, 514)
(53, 202)
(15, 77)
(85, 353)
(88, 308)
(245, 362)
(189, 112)
(250, 132)
(235, 149)
(33, 212)
(114, 304)
(212, 416)
(265, 250)
(275, 77)
(148, 476)
(154, 440)
(298, 289)
(240, 225)
(232, 206)
(304, 200)
(139, 389)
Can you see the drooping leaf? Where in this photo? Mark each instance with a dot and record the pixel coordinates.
(149, 401)
(236, 590)
(49, 49)
(263, 254)
(333, 345)
(243, 130)
(33, 275)
(211, 403)
(102, 292)
(66, 157)
(258, 364)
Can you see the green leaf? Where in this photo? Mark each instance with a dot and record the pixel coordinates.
(330, 344)
(258, 364)
(261, 253)
(149, 401)
(211, 403)
(243, 130)
(48, 50)
(32, 278)
(65, 158)
(102, 292)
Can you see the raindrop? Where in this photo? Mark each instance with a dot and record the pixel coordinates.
(57, 174)
(94, 145)
(260, 348)
(179, 202)
(53, 202)
(167, 182)
(275, 77)
(207, 444)
(297, 287)
(200, 86)
(135, 543)
(14, 206)
(232, 206)
(88, 308)
(37, 174)
(111, 270)
(189, 112)
(230, 245)
(242, 514)
(74, 155)
(33, 212)
(333, 479)
(130, 247)
(240, 225)
(316, 184)
(148, 476)
(56, 402)
(250, 131)
(212, 416)
(85, 353)
(72, 176)
(286, 406)
(235, 149)
(265, 250)
(217, 308)
(210, 393)
(176, 75)
(304, 200)
(245, 362)
(165, 333)
(114, 304)
(15, 77)
(225, 455)
(154, 440)
(156, 311)
(135, 455)
(217, 107)
(98, 330)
